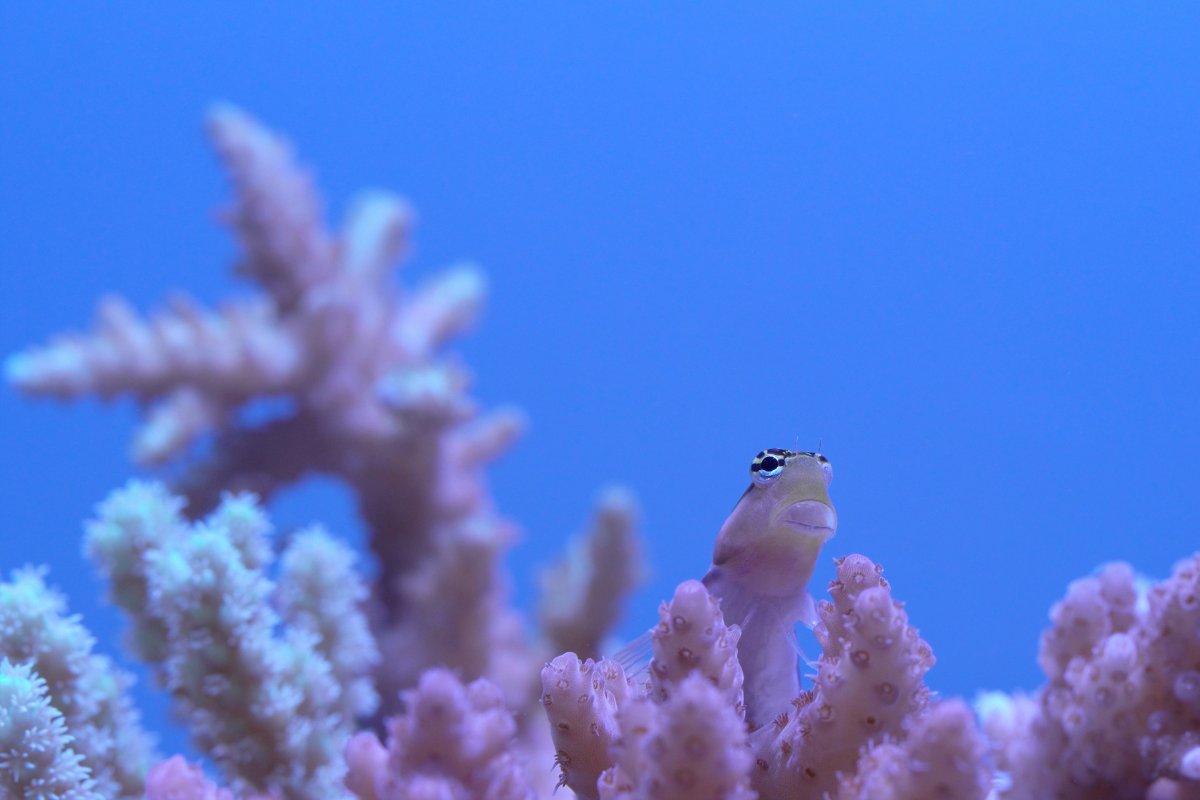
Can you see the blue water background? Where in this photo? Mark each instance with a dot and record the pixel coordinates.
(954, 244)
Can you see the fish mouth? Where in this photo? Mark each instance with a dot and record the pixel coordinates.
(811, 516)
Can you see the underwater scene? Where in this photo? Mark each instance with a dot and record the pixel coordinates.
(624, 400)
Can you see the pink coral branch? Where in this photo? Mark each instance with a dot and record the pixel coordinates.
(356, 371)
(1119, 715)
(691, 637)
(176, 779)
(693, 744)
(683, 734)
(869, 680)
(940, 758)
(278, 216)
(451, 741)
(581, 701)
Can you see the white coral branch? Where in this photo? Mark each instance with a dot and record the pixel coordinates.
(264, 703)
(319, 591)
(89, 690)
(36, 758)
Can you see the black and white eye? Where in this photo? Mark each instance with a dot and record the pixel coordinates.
(766, 467)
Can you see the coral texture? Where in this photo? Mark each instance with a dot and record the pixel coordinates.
(940, 757)
(36, 758)
(692, 744)
(269, 695)
(863, 731)
(452, 741)
(86, 688)
(599, 719)
(1119, 715)
(870, 679)
(176, 779)
(355, 370)
(354, 362)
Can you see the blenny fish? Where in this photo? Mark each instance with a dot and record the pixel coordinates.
(764, 557)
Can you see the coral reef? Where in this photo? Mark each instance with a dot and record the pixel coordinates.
(860, 732)
(355, 369)
(89, 691)
(940, 756)
(1119, 715)
(36, 757)
(870, 679)
(176, 779)
(270, 686)
(451, 741)
(368, 398)
(681, 731)
(297, 679)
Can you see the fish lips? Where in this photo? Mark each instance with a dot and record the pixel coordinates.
(811, 517)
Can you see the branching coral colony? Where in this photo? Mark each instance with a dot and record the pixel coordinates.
(285, 665)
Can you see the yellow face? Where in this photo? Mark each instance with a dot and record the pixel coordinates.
(773, 535)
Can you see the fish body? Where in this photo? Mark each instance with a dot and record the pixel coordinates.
(763, 559)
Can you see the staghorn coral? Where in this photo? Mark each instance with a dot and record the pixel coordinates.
(271, 704)
(870, 678)
(86, 688)
(37, 761)
(452, 741)
(369, 399)
(691, 637)
(176, 779)
(691, 744)
(581, 701)
(367, 395)
(1119, 715)
(591, 705)
(319, 593)
(940, 756)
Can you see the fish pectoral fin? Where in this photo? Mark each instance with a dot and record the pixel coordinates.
(635, 657)
(789, 636)
(808, 611)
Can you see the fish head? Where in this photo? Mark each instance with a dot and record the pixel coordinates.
(774, 534)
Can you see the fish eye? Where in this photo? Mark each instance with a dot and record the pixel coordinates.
(767, 466)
